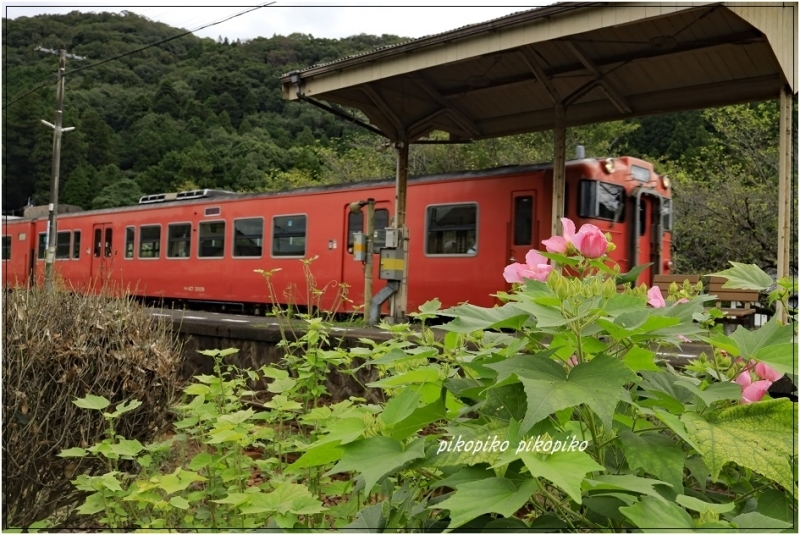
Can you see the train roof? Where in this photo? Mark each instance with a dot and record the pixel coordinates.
(224, 197)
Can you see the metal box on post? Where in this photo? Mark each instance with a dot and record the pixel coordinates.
(392, 264)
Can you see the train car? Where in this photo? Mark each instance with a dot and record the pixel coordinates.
(464, 228)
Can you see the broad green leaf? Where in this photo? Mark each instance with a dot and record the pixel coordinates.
(368, 520)
(639, 359)
(676, 426)
(124, 407)
(462, 435)
(546, 316)
(653, 514)
(639, 485)
(282, 403)
(110, 481)
(197, 389)
(745, 277)
(693, 504)
(530, 366)
(97, 403)
(758, 436)
(281, 385)
(201, 460)
(492, 495)
(178, 502)
(318, 456)
(774, 503)
(420, 418)
(632, 275)
(656, 454)
(73, 452)
(131, 448)
(505, 403)
(723, 342)
(471, 318)
(376, 457)
(94, 504)
(400, 406)
(236, 417)
(566, 469)
(224, 435)
(597, 383)
(286, 498)
(274, 373)
(343, 431)
(468, 474)
(428, 374)
(759, 522)
(772, 343)
(714, 392)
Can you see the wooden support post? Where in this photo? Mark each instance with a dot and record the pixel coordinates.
(368, 262)
(784, 190)
(400, 299)
(559, 168)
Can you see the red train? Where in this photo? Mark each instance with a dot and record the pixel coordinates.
(464, 228)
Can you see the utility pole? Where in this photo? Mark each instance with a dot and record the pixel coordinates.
(51, 239)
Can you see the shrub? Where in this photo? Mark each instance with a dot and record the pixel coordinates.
(59, 347)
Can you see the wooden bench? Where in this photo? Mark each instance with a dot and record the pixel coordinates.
(738, 305)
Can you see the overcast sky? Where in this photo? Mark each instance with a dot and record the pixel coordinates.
(320, 18)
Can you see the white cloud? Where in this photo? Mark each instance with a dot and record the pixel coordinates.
(406, 18)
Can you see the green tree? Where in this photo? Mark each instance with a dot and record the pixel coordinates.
(124, 192)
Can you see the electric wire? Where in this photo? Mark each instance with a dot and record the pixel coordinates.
(145, 47)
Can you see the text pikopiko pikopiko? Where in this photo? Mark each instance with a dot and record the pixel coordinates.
(539, 444)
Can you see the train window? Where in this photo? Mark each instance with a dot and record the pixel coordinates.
(601, 200)
(355, 223)
(289, 235)
(381, 222)
(248, 237)
(130, 239)
(640, 173)
(98, 241)
(109, 234)
(179, 240)
(150, 241)
(42, 244)
(452, 230)
(76, 244)
(211, 243)
(6, 247)
(666, 215)
(523, 220)
(62, 245)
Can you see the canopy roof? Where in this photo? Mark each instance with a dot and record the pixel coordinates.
(604, 61)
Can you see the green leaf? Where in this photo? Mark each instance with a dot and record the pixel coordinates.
(531, 366)
(693, 504)
(178, 502)
(676, 426)
(632, 275)
(282, 403)
(745, 277)
(376, 457)
(714, 392)
(279, 386)
(597, 383)
(420, 418)
(286, 498)
(73, 452)
(653, 514)
(94, 504)
(317, 456)
(772, 343)
(122, 408)
(471, 318)
(492, 495)
(656, 454)
(400, 406)
(343, 431)
(565, 469)
(758, 436)
(130, 448)
(428, 374)
(274, 373)
(237, 417)
(197, 389)
(757, 521)
(639, 485)
(774, 503)
(462, 435)
(546, 316)
(201, 460)
(468, 474)
(368, 520)
(97, 403)
(639, 358)
(110, 482)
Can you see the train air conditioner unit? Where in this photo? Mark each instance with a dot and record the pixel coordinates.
(185, 195)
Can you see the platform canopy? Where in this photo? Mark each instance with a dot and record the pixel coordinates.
(604, 61)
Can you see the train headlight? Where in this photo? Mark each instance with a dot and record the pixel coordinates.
(608, 165)
(666, 181)
(355, 207)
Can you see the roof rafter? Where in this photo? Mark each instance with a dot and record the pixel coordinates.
(613, 94)
(464, 121)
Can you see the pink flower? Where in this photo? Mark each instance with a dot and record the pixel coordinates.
(654, 298)
(536, 268)
(766, 372)
(559, 244)
(684, 339)
(573, 361)
(755, 391)
(681, 300)
(590, 241)
(743, 379)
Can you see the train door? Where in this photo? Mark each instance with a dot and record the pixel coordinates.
(352, 271)
(647, 230)
(102, 251)
(522, 229)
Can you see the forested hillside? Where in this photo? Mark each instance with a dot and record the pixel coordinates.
(196, 112)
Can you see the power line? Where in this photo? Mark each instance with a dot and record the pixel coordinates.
(158, 43)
